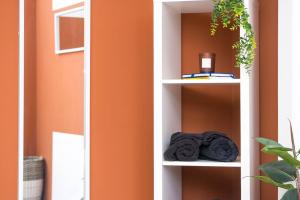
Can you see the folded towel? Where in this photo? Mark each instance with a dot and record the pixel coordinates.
(210, 145)
(183, 147)
(217, 146)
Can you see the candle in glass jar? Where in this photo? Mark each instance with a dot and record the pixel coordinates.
(207, 62)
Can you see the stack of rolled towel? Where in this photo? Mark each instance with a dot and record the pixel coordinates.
(211, 145)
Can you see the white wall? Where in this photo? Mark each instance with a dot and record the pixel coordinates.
(288, 72)
(295, 116)
(58, 4)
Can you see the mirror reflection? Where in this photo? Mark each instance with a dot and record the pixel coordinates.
(69, 30)
(54, 102)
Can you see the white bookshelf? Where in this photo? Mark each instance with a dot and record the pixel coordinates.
(168, 100)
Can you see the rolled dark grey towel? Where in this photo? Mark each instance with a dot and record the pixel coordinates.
(210, 145)
(183, 147)
(217, 146)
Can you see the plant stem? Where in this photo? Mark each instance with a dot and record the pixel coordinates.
(295, 156)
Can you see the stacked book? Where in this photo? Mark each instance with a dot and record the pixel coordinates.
(208, 76)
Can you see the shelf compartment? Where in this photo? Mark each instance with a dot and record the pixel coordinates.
(202, 163)
(193, 82)
(210, 183)
(190, 6)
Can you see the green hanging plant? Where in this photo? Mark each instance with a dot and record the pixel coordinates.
(233, 14)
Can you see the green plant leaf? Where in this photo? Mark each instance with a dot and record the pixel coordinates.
(284, 155)
(267, 142)
(279, 171)
(290, 195)
(268, 180)
(276, 147)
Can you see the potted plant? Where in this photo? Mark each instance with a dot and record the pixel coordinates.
(283, 173)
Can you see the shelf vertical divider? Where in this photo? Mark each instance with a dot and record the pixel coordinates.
(167, 106)
(249, 91)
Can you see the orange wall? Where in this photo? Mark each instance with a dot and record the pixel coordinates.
(9, 99)
(122, 100)
(268, 81)
(30, 79)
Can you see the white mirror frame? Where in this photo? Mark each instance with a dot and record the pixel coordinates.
(59, 4)
(57, 30)
(87, 46)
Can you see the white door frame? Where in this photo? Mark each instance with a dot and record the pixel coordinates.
(87, 45)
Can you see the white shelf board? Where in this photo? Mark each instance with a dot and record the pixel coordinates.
(191, 82)
(202, 163)
(190, 6)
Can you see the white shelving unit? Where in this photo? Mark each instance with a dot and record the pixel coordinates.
(167, 101)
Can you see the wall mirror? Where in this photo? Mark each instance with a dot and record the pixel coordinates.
(54, 96)
(69, 30)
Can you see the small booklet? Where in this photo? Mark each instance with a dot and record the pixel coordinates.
(200, 76)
